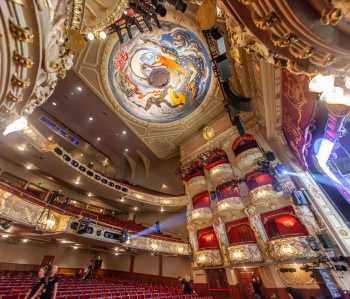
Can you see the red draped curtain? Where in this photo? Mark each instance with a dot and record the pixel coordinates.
(207, 238)
(240, 232)
(201, 200)
(282, 223)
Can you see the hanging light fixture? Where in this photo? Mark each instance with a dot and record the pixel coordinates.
(17, 125)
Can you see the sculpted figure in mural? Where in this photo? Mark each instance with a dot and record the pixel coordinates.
(160, 76)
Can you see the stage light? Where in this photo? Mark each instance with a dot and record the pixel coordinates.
(90, 36)
(281, 169)
(321, 83)
(17, 125)
(102, 35)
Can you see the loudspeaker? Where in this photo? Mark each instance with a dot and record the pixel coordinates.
(240, 103)
(325, 241)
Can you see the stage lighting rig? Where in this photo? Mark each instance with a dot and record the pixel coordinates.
(139, 14)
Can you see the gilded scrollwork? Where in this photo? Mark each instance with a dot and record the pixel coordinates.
(244, 253)
(199, 217)
(208, 258)
(196, 185)
(221, 173)
(291, 248)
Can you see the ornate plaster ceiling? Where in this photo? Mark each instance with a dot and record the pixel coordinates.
(160, 76)
(93, 66)
(98, 14)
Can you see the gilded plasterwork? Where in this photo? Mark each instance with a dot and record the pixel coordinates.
(208, 258)
(162, 139)
(245, 253)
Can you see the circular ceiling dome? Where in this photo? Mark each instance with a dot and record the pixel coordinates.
(160, 76)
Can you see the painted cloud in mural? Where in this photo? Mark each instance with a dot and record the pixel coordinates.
(160, 76)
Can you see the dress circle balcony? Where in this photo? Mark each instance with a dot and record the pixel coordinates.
(247, 153)
(229, 201)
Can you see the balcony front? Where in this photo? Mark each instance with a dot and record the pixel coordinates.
(229, 207)
(206, 258)
(196, 185)
(221, 173)
(291, 248)
(200, 217)
(244, 254)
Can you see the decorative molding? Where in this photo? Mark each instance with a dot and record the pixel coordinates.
(207, 258)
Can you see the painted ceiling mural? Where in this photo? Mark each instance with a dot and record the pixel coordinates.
(160, 76)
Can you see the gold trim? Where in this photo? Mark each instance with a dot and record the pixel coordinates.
(20, 83)
(21, 60)
(22, 34)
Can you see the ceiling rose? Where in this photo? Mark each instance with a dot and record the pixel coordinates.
(160, 76)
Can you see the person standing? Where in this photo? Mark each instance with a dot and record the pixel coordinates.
(256, 283)
(37, 286)
(51, 284)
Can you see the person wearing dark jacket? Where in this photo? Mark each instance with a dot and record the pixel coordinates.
(37, 286)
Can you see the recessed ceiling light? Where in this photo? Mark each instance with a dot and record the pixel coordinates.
(90, 36)
(81, 155)
(164, 186)
(90, 118)
(98, 138)
(102, 35)
(79, 88)
(54, 104)
(5, 236)
(124, 132)
(162, 210)
(77, 181)
(25, 240)
(21, 147)
(126, 150)
(29, 167)
(73, 202)
(122, 200)
(116, 253)
(136, 208)
(90, 194)
(75, 247)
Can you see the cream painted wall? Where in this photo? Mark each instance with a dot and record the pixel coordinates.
(146, 264)
(67, 257)
(174, 266)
